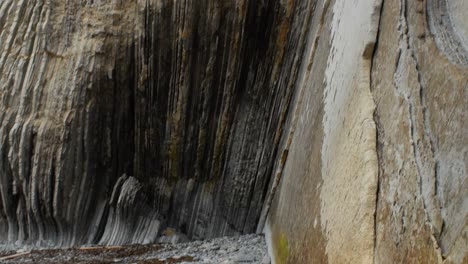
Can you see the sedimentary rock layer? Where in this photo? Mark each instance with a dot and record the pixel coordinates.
(66, 89)
(215, 82)
(121, 118)
(187, 98)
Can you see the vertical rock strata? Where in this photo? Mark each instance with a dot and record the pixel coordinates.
(66, 111)
(337, 125)
(188, 98)
(215, 80)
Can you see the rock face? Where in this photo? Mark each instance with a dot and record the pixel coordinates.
(339, 126)
(376, 142)
(186, 97)
(66, 117)
(423, 104)
(214, 83)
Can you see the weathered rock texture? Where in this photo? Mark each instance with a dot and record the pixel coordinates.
(420, 86)
(340, 124)
(66, 118)
(376, 143)
(188, 98)
(214, 83)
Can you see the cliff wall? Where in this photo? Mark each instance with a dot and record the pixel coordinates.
(337, 127)
(376, 168)
(121, 118)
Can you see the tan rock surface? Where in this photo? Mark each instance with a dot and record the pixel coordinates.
(402, 198)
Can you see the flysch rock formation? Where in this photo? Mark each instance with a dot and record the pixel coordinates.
(121, 118)
(336, 127)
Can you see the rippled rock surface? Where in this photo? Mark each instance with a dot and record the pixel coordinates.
(187, 98)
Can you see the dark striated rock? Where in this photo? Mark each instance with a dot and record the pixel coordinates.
(214, 87)
(188, 97)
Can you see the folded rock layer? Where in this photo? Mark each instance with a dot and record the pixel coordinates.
(188, 98)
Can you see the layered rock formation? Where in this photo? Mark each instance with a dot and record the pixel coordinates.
(66, 91)
(339, 126)
(214, 84)
(187, 98)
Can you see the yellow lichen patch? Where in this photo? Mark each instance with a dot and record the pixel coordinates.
(168, 232)
(280, 247)
(283, 250)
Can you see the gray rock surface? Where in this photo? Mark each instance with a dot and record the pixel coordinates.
(242, 249)
(246, 249)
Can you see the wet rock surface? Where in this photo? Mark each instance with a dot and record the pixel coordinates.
(228, 250)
